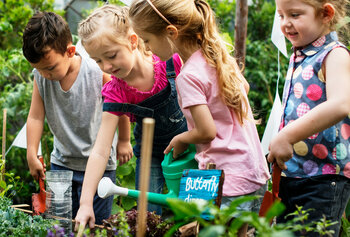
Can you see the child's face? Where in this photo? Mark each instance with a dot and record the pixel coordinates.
(299, 22)
(159, 45)
(53, 66)
(112, 58)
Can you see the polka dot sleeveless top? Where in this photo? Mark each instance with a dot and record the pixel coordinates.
(327, 152)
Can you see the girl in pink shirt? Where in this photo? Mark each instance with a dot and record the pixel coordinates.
(141, 86)
(212, 93)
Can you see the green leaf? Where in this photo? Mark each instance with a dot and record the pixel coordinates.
(276, 209)
(212, 230)
(2, 184)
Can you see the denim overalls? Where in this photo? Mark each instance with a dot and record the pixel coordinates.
(169, 121)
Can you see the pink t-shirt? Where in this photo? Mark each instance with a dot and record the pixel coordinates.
(118, 91)
(236, 148)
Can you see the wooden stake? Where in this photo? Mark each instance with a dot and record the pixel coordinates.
(241, 22)
(3, 144)
(146, 156)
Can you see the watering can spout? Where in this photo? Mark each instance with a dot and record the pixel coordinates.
(172, 171)
(107, 188)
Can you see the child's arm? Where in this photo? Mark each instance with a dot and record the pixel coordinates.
(95, 168)
(323, 116)
(203, 132)
(106, 78)
(124, 147)
(35, 126)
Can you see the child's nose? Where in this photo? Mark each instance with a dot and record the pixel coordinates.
(106, 66)
(286, 22)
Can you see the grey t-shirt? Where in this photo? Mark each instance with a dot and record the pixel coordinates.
(74, 116)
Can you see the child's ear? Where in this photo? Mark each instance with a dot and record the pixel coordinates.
(134, 41)
(172, 32)
(328, 12)
(71, 50)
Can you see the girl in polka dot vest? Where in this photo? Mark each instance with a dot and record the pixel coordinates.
(313, 145)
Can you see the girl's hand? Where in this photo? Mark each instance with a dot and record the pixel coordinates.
(124, 151)
(178, 145)
(84, 216)
(281, 150)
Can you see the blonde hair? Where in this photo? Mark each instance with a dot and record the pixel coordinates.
(341, 11)
(196, 24)
(108, 22)
(340, 7)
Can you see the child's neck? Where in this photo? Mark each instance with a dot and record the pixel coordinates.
(326, 32)
(72, 73)
(187, 52)
(141, 76)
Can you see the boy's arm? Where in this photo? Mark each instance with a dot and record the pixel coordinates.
(35, 125)
(95, 168)
(204, 131)
(323, 116)
(124, 147)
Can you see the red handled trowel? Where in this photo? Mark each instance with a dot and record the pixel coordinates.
(38, 199)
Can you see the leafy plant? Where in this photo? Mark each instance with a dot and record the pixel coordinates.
(11, 184)
(227, 221)
(221, 222)
(17, 223)
(298, 223)
(345, 231)
(125, 224)
(14, 17)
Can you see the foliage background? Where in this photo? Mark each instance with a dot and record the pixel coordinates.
(16, 78)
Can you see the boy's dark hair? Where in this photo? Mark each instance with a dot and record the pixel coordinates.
(45, 31)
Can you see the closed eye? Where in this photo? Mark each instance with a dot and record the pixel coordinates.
(112, 56)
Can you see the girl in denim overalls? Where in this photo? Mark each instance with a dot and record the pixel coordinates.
(212, 94)
(313, 145)
(142, 86)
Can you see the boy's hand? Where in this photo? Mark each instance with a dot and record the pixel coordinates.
(85, 216)
(124, 151)
(179, 147)
(36, 169)
(281, 150)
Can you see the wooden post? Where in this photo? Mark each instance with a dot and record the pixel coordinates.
(3, 144)
(146, 156)
(241, 22)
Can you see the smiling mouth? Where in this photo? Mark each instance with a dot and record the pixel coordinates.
(292, 34)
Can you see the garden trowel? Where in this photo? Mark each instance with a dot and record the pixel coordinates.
(38, 199)
(271, 196)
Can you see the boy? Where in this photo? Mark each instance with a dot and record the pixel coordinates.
(67, 91)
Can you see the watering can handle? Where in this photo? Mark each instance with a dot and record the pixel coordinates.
(179, 155)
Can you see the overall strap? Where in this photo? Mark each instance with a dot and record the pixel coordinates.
(128, 108)
(170, 69)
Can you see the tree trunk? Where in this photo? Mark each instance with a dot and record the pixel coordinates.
(241, 31)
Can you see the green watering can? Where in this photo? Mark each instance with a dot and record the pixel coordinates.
(172, 171)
